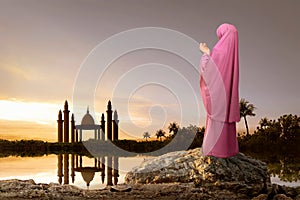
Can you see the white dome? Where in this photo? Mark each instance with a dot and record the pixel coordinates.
(87, 119)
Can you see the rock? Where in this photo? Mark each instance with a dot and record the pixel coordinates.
(30, 190)
(281, 197)
(261, 197)
(289, 191)
(240, 174)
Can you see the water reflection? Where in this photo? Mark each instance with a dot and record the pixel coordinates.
(108, 165)
(285, 168)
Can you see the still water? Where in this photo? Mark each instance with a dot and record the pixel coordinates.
(81, 171)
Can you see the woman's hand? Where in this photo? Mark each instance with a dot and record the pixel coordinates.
(204, 48)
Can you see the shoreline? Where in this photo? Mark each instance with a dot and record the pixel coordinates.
(28, 189)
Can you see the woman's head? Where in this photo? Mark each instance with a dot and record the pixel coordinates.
(225, 29)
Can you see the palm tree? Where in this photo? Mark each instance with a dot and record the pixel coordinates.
(146, 135)
(173, 127)
(264, 123)
(246, 109)
(160, 133)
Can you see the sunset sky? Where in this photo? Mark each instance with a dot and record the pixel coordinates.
(44, 43)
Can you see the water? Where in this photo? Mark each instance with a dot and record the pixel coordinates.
(51, 168)
(73, 170)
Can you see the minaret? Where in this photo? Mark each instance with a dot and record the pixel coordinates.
(59, 127)
(72, 129)
(115, 126)
(109, 121)
(76, 138)
(66, 122)
(102, 127)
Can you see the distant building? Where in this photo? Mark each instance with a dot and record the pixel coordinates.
(87, 123)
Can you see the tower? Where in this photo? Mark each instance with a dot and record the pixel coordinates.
(72, 129)
(66, 122)
(109, 121)
(102, 127)
(115, 126)
(76, 135)
(59, 127)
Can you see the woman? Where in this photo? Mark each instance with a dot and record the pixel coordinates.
(219, 84)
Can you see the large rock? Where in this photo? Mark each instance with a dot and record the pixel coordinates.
(240, 174)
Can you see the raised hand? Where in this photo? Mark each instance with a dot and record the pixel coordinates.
(204, 48)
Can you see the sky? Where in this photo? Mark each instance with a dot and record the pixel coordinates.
(44, 45)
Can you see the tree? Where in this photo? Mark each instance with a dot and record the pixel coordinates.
(268, 131)
(246, 109)
(146, 135)
(173, 127)
(290, 127)
(160, 133)
(264, 123)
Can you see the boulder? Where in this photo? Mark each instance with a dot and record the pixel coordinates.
(239, 174)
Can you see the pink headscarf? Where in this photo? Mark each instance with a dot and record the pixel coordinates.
(225, 56)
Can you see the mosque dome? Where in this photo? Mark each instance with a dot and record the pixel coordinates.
(87, 119)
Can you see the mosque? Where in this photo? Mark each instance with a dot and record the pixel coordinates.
(87, 123)
(74, 133)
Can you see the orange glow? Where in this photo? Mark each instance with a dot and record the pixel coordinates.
(42, 113)
(31, 120)
(18, 130)
(36, 120)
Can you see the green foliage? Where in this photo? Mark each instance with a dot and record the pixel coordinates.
(281, 135)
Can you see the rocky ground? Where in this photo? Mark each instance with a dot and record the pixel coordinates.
(17, 189)
(176, 175)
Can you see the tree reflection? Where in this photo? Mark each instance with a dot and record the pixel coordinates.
(285, 166)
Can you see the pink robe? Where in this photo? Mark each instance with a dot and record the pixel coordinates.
(219, 89)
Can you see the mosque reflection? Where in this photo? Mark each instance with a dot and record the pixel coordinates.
(104, 166)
